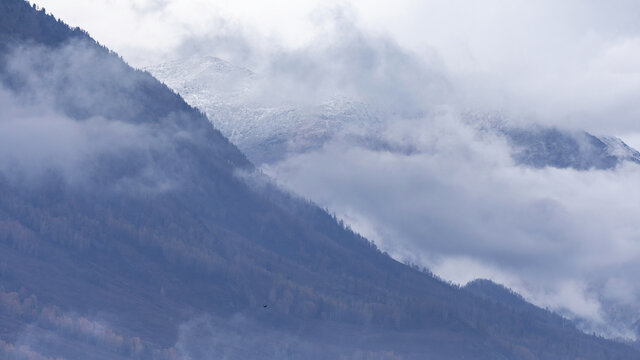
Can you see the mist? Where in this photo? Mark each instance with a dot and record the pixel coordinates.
(46, 136)
(466, 211)
(430, 185)
(434, 188)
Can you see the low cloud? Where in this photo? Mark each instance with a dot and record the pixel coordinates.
(59, 122)
(34, 142)
(427, 185)
(241, 337)
(461, 206)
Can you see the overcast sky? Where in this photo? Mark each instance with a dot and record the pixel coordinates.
(572, 62)
(459, 204)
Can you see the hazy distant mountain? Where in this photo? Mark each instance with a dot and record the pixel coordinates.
(131, 228)
(228, 94)
(539, 146)
(578, 150)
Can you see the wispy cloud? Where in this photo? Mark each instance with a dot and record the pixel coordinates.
(45, 134)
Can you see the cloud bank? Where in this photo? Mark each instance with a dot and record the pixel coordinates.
(571, 63)
(459, 205)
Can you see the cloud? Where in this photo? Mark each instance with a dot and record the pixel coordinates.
(49, 128)
(344, 61)
(545, 59)
(35, 141)
(460, 205)
(241, 337)
(568, 63)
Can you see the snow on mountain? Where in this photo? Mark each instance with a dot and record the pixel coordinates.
(267, 131)
(537, 146)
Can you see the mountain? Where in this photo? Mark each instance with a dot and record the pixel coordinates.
(131, 228)
(267, 132)
(538, 146)
(496, 292)
(564, 149)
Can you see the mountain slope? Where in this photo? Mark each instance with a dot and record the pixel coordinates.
(540, 147)
(131, 228)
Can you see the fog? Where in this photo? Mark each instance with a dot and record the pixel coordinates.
(35, 141)
(45, 134)
(463, 209)
(456, 201)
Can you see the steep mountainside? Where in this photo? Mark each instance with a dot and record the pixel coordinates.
(131, 228)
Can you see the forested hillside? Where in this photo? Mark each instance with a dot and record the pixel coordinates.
(131, 228)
